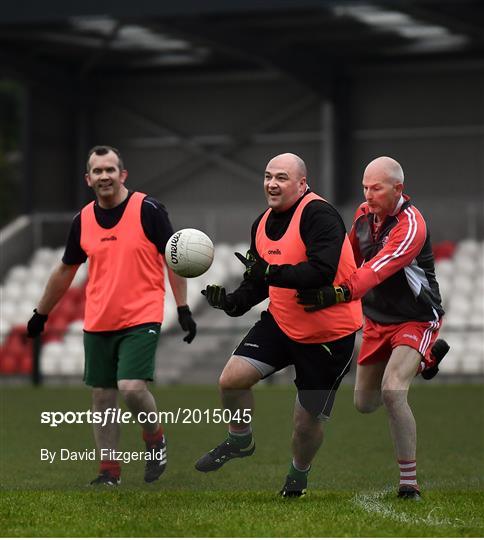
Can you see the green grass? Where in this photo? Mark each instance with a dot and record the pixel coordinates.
(351, 490)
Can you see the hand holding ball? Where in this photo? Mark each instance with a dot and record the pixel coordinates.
(189, 253)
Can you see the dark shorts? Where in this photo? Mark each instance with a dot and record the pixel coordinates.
(110, 357)
(319, 367)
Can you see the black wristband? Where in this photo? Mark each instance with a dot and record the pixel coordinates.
(346, 293)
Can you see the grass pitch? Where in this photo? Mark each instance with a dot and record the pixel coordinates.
(351, 486)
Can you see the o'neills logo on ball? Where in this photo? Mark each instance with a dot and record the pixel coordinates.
(174, 248)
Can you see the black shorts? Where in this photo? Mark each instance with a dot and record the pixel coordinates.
(319, 367)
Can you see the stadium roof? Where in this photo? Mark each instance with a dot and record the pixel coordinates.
(302, 39)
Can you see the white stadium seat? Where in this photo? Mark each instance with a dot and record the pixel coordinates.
(467, 247)
(80, 277)
(32, 292)
(39, 273)
(444, 268)
(13, 291)
(43, 256)
(75, 328)
(72, 362)
(18, 274)
(51, 358)
(461, 280)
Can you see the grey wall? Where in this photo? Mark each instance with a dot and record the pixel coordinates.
(201, 144)
(51, 178)
(431, 120)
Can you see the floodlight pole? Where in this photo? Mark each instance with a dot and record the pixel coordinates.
(327, 151)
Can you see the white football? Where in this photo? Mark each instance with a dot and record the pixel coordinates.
(189, 253)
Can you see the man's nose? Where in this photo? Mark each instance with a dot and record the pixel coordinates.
(271, 183)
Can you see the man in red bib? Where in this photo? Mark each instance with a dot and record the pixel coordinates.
(401, 304)
(299, 242)
(123, 236)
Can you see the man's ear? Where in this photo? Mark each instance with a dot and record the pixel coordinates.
(88, 181)
(303, 184)
(123, 176)
(399, 188)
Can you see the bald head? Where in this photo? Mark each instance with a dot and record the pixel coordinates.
(289, 161)
(383, 186)
(385, 168)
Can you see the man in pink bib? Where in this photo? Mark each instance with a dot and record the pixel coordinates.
(298, 242)
(123, 236)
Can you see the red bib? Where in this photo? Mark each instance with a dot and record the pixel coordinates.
(126, 272)
(321, 326)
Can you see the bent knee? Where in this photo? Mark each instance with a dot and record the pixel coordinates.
(367, 404)
(230, 381)
(225, 381)
(366, 408)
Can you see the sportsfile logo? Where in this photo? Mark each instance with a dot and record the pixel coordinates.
(113, 415)
(174, 248)
(109, 238)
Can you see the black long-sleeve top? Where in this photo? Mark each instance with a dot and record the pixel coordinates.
(154, 220)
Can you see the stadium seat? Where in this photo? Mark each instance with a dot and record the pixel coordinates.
(468, 247)
(75, 328)
(444, 268)
(8, 312)
(236, 268)
(18, 274)
(43, 256)
(443, 250)
(24, 363)
(51, 358)
(472, 365)
(8, 363)
(460, 273)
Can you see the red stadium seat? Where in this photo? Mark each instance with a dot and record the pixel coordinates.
(16, 351)
(444, 250)
(24, 364)
(8, 363)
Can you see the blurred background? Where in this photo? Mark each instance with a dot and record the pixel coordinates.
(198, 96)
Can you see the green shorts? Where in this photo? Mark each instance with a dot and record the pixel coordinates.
(110, 357)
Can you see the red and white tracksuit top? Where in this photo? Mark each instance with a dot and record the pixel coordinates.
(396, 274)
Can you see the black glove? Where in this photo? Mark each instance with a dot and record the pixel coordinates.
(217, 298)
(35, 326)
(317, 299)
(187, 323)
(256, 268)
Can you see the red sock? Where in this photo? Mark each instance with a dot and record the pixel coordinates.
(408, 473)
(153, 438)
(113, 468)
